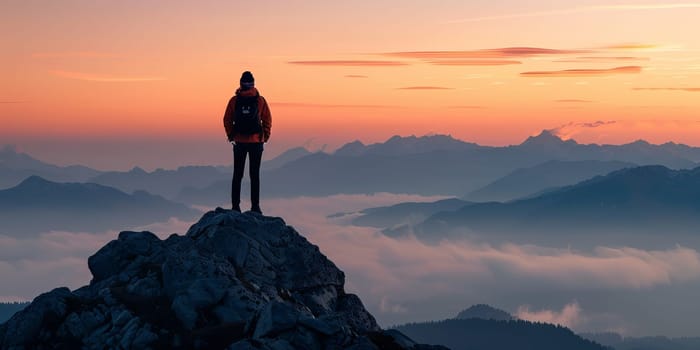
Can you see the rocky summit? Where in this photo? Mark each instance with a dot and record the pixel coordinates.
(234, 281)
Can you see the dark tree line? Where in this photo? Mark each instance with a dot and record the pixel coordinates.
(479, 334)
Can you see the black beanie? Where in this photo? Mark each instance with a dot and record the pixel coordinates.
(247, 80)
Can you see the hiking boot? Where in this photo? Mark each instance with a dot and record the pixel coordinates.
(236, 208)
(256, 209)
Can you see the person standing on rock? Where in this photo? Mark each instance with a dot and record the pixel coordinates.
(248, 123)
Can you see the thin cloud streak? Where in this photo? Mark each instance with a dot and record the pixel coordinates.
(103, 78)
(574, 10)
(601, 59)
(505, 52)
(473, 62)
(356, 76)
(350, 63)
(630, 46)
(584, 72)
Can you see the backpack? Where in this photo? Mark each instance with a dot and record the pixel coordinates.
(246, 115)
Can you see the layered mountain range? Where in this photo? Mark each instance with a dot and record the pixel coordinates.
(427, 165)
(38, 205)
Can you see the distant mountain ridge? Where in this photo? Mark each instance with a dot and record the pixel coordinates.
(398, 145)
(434, 165)
(171, 183)
(441, 165)
(16, 166)
(409, 213)
(38, 205)
(545, 176)
(641, 199)
(166, 183)
(425, 165)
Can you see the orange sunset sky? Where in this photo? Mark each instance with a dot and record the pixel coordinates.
(114, 84)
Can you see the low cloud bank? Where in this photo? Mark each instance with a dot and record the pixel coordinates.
(396, 277)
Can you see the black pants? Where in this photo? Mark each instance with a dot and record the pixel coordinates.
(240, 151)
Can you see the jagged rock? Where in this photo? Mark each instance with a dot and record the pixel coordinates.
(234, 281)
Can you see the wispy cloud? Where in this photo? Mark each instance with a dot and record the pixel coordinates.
(12, 102)
(584, 72)
(356, 76)
(570, 315)
(630, 46)
(103, 78)
(689, 89)
(424, 88)
(506, 52)
(473, 62)
(351, 63)
(582, 9)
(568, 130)
(603, 59)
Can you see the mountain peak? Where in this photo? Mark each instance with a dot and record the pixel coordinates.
(485, 312)
(235, 280)
(546, 137)
(33, 181)
(354, 148)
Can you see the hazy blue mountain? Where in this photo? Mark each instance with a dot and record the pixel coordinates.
(9, 309)
(170, 183)
(409, 213)
(618, 342)
(38, 205)
(16, 166)
(432, 165)
(287, 156)
(166, 183)
(638, 152)
(548, 175)
(484, 312)
(351, 149)
(480, 334)
(397, 146)
(649, 199)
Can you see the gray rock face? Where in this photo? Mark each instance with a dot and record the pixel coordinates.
(234, 281)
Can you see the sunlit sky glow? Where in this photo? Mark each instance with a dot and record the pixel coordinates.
(489, 72)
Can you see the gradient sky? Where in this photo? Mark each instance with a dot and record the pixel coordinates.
(118, 84)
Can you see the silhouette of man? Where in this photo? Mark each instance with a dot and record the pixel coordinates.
(248, 123)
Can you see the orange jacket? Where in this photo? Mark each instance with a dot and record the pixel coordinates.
(265, 117)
